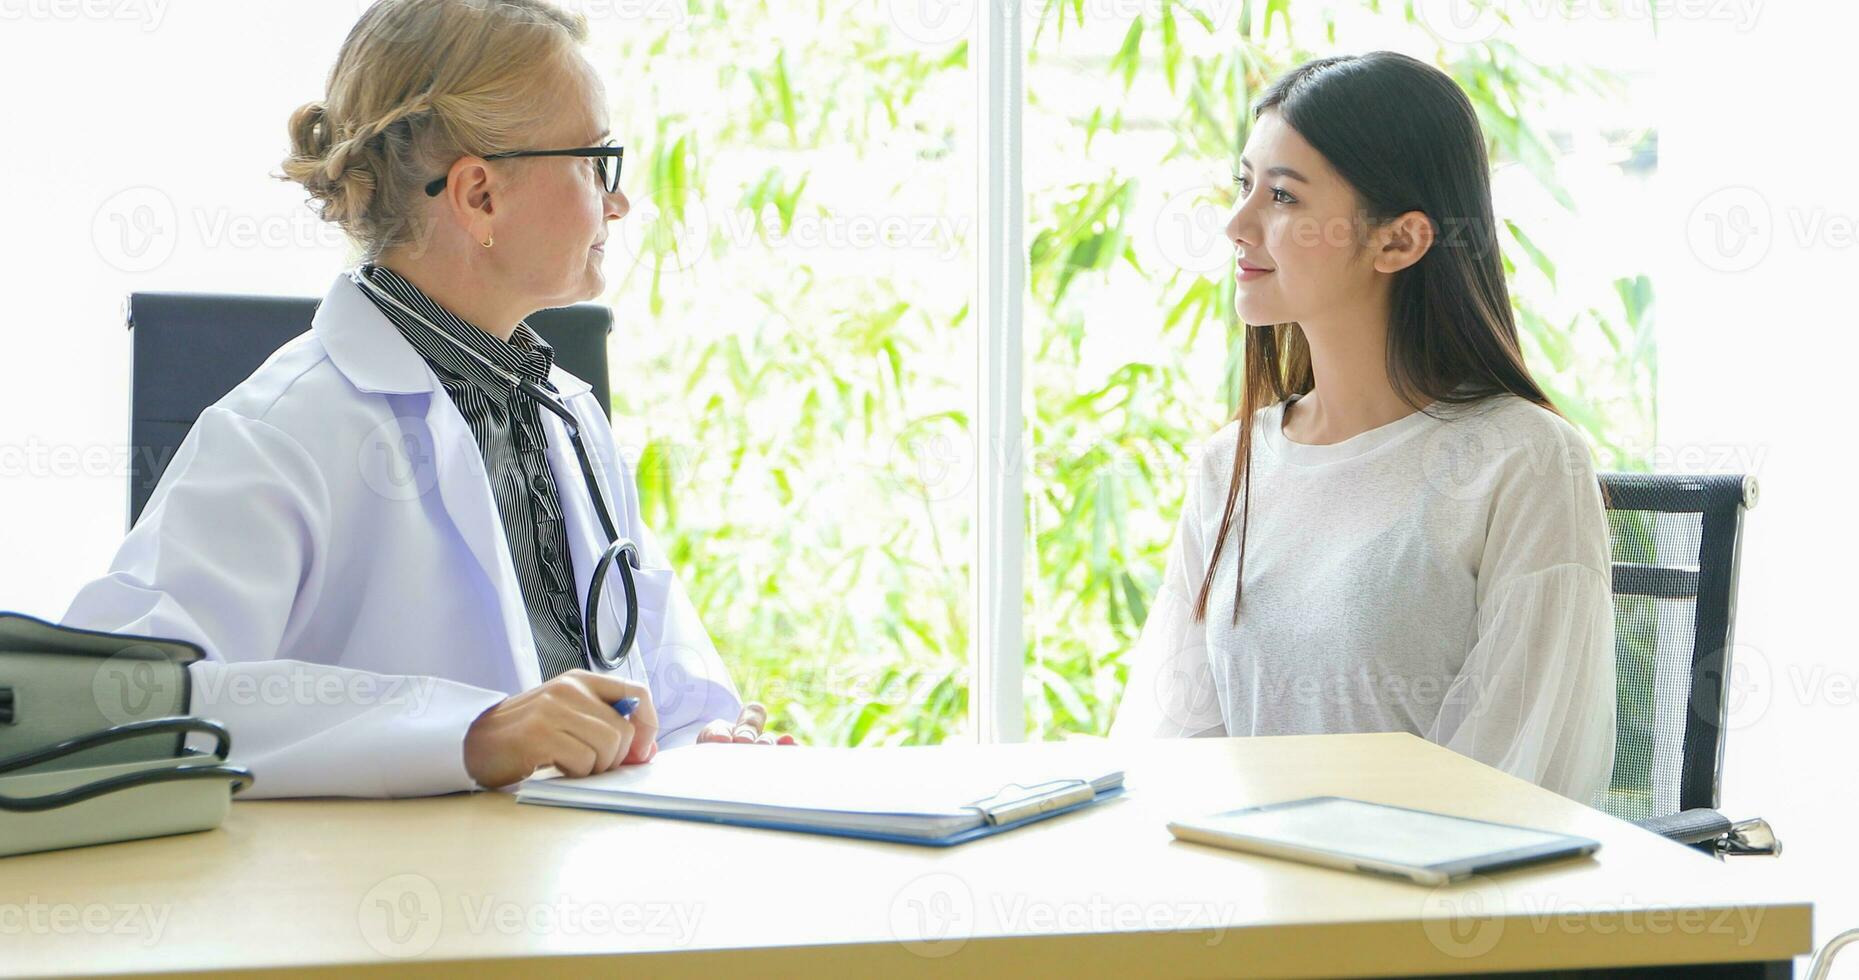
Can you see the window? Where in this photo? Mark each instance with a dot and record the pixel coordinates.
(858, 430)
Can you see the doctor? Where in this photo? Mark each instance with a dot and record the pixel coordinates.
(383, 545)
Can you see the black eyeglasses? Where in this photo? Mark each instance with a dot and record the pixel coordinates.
(606, 156)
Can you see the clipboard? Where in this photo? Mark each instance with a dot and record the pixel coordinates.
(808, 795)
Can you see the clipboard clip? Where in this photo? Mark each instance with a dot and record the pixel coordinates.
(1016, 804)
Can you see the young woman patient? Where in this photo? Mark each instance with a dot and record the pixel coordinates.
(1398, 531)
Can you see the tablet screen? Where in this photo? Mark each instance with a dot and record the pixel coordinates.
(1382, 833)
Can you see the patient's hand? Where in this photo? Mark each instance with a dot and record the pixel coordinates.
(747, 730)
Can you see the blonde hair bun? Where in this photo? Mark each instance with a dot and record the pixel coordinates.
(418, 84)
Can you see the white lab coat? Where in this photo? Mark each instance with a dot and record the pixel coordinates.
(326, 532)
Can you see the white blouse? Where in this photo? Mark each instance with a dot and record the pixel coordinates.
(1446, 574)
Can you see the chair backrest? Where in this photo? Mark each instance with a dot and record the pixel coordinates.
(1676, 542)
(187, 350)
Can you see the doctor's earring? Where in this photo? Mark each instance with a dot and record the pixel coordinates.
(487, 242)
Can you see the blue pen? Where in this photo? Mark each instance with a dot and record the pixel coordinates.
(626, 706)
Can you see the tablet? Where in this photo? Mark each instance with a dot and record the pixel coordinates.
(1428, 848)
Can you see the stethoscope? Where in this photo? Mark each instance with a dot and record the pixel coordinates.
(591, 653)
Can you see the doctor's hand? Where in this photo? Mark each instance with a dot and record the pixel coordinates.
(747, 730)
(567, 722)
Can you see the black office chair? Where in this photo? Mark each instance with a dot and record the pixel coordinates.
(1676, 545)
(189, 349)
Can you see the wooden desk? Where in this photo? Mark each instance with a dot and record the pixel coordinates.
(474, 885)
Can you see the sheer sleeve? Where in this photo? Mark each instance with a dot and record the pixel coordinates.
(1536, 694)
(1170, 693)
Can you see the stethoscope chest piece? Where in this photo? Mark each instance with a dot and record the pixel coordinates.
(624, 555)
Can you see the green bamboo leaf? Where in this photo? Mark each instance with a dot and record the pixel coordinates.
(1137, 598)
(1538, 257)
(1129, 55)
(1171, 46)
(784, 93)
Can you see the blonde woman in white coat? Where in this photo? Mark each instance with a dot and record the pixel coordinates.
(348, 534)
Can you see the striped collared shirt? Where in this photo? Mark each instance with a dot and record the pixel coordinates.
(510, 437)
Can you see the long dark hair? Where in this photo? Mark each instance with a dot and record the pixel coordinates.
(1404, 136)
